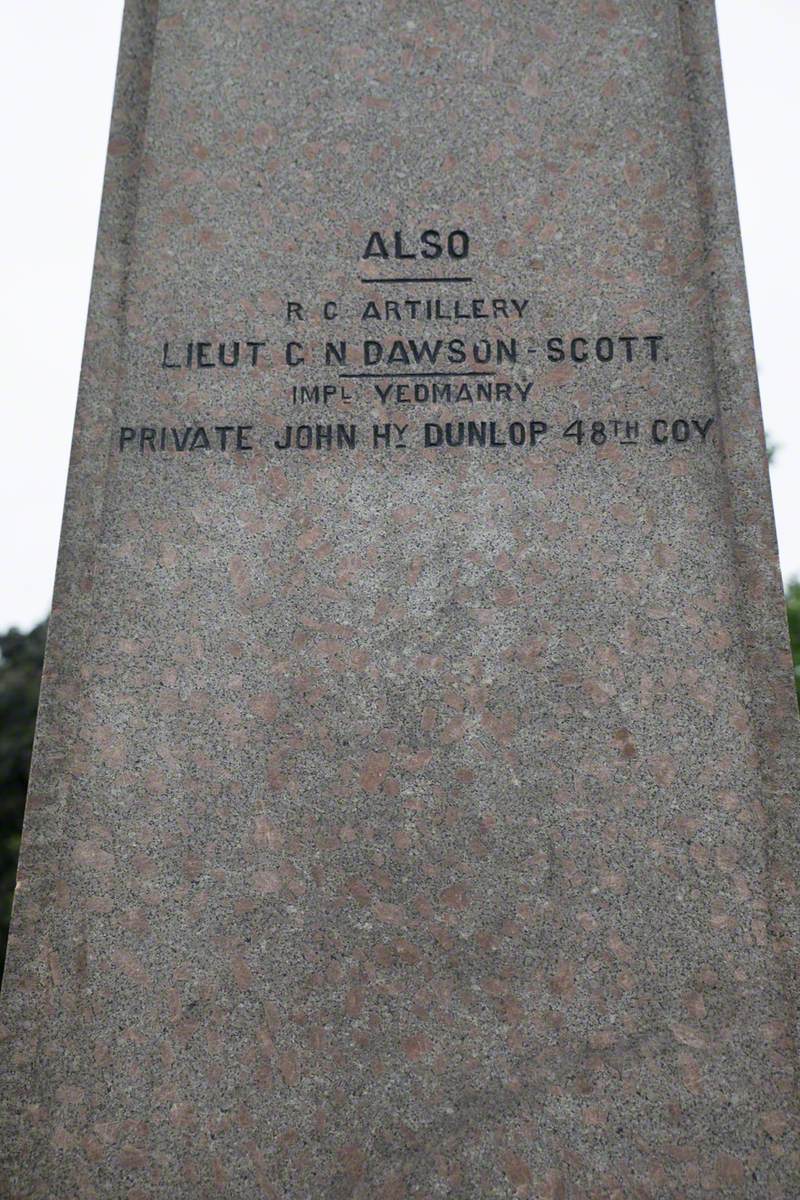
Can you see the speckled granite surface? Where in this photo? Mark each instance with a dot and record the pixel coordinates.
(412, 812)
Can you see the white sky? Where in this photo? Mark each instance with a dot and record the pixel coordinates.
(57, 65)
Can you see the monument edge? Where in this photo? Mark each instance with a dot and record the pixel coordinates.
(773, 711)
(72, 608)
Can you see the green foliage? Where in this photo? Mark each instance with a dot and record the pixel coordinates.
(21, 657)
(793, 617)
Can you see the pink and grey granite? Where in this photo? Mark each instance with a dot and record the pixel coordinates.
(413, 813)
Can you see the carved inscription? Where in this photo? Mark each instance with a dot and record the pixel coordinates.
(489, 381)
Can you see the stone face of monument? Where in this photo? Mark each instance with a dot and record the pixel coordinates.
(412, 807)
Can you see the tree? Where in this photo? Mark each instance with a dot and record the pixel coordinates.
(793, 617)
(21, 658)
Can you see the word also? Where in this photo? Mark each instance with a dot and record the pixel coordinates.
(456, 245)
(186, 438)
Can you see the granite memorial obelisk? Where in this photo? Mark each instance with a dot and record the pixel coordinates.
(413, 807)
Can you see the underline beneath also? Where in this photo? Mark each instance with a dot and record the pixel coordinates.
(420, 279)
(411, 374)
